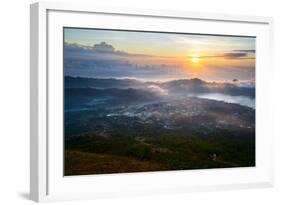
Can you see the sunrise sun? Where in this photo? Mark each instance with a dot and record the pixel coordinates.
(195, 58)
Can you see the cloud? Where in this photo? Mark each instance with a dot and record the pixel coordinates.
(103, 47)
(103, 60)
(157, 89)
(235, 54)
(245, 51)
(246, 83)
(240, 54)
(99, 51)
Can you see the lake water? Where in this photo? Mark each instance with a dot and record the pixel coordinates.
(242, 100)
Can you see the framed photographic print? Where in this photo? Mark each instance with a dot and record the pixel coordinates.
(127, 102)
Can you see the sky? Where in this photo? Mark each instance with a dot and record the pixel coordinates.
(157, 56)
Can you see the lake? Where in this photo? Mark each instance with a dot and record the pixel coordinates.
(242, 100)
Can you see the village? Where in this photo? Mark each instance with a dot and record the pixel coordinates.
(185, 115)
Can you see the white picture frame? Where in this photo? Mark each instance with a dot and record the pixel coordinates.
(47, 182)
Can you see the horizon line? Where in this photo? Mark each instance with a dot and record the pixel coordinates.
(234, 81)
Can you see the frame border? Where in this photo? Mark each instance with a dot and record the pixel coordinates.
(39, 175)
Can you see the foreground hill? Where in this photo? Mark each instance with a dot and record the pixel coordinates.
(81, 163)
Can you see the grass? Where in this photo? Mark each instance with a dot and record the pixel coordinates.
(91, 154)
(83, 163)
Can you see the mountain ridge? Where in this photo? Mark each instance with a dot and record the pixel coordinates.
(175, 87)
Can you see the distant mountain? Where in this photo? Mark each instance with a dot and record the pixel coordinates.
(198, 86)
(232, 89)
(188, 86)
(87, 97)
(79, 82)
(143, 91)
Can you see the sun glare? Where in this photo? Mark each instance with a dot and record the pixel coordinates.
(195, 58)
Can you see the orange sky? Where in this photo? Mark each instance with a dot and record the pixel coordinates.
(204, 56)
